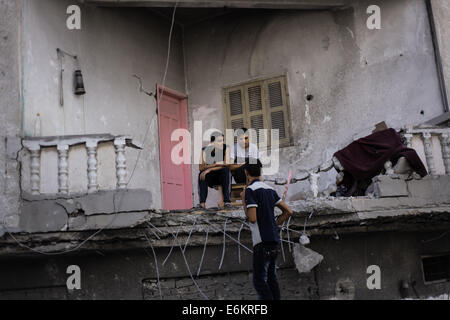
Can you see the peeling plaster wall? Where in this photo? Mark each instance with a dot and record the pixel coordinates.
(441, 12)
(113, 45)
(9, 112)
(358, 77)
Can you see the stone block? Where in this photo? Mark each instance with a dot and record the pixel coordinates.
(305, 259)
(133, 200)
(387, 187)
(108, 202)
(120, 220)
(77, 223)
(433, 188)
(323, 206)
(42, 216)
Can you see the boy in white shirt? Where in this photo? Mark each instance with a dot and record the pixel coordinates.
(242, 151)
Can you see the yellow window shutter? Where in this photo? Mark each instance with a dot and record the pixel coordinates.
(255, 106)
(234, 99)
(258, 105)
(278, 108)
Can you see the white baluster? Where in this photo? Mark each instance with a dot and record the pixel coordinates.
(35, 168)
(445, 141)
(428, 152)
(63, 169)
(408, 137)
(314, 182)
(91, 147)
(121, 168)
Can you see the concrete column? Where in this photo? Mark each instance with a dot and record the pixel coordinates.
(10, 114)
(441, 17)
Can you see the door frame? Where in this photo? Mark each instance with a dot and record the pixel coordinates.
(184, 114)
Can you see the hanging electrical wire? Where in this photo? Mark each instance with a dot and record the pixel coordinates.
(203, 254)
(156, 266)
(239, 240)
(224, 243)
(188, 268)
(189, 237)
(173, 244)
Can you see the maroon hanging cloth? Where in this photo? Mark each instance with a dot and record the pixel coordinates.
(365, 158)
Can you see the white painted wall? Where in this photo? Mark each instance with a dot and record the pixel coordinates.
(358, 77)
(113, 45)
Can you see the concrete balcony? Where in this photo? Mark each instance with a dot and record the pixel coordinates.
(69, 180)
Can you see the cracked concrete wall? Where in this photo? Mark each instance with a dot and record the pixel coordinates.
(398, 254)
(441, 12)
(105, 209)
(10, 112)
(130, 274)
(358, 77)
(112, 45)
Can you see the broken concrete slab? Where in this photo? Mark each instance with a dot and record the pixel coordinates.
(367, 204)
(328, 206)
(387, 187)
(44, 216)
(117, 221)
(133, 200)
(78, 223)
(89, 204)
(102, 202)
(434, 188)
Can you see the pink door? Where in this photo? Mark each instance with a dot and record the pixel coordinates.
(176, 186)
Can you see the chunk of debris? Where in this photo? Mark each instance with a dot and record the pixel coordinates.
(305, 259)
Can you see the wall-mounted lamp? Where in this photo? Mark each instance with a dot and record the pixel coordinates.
(78, 76)
(79, 84)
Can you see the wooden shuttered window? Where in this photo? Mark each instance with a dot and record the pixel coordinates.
(262, 104)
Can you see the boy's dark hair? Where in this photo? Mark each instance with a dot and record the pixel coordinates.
(253, 167)
(240, 132)
(216, 135)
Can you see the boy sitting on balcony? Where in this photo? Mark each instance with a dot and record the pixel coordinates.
(214, 171)
(242, 151)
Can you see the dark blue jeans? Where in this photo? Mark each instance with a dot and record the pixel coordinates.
(216, 178)
(265, 272)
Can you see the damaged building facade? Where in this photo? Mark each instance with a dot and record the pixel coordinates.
(85, 178)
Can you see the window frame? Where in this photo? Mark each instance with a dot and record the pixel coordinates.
(266, 111)
(422, 257)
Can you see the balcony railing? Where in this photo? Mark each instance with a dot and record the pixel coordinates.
(62, 146)
(433, 146)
